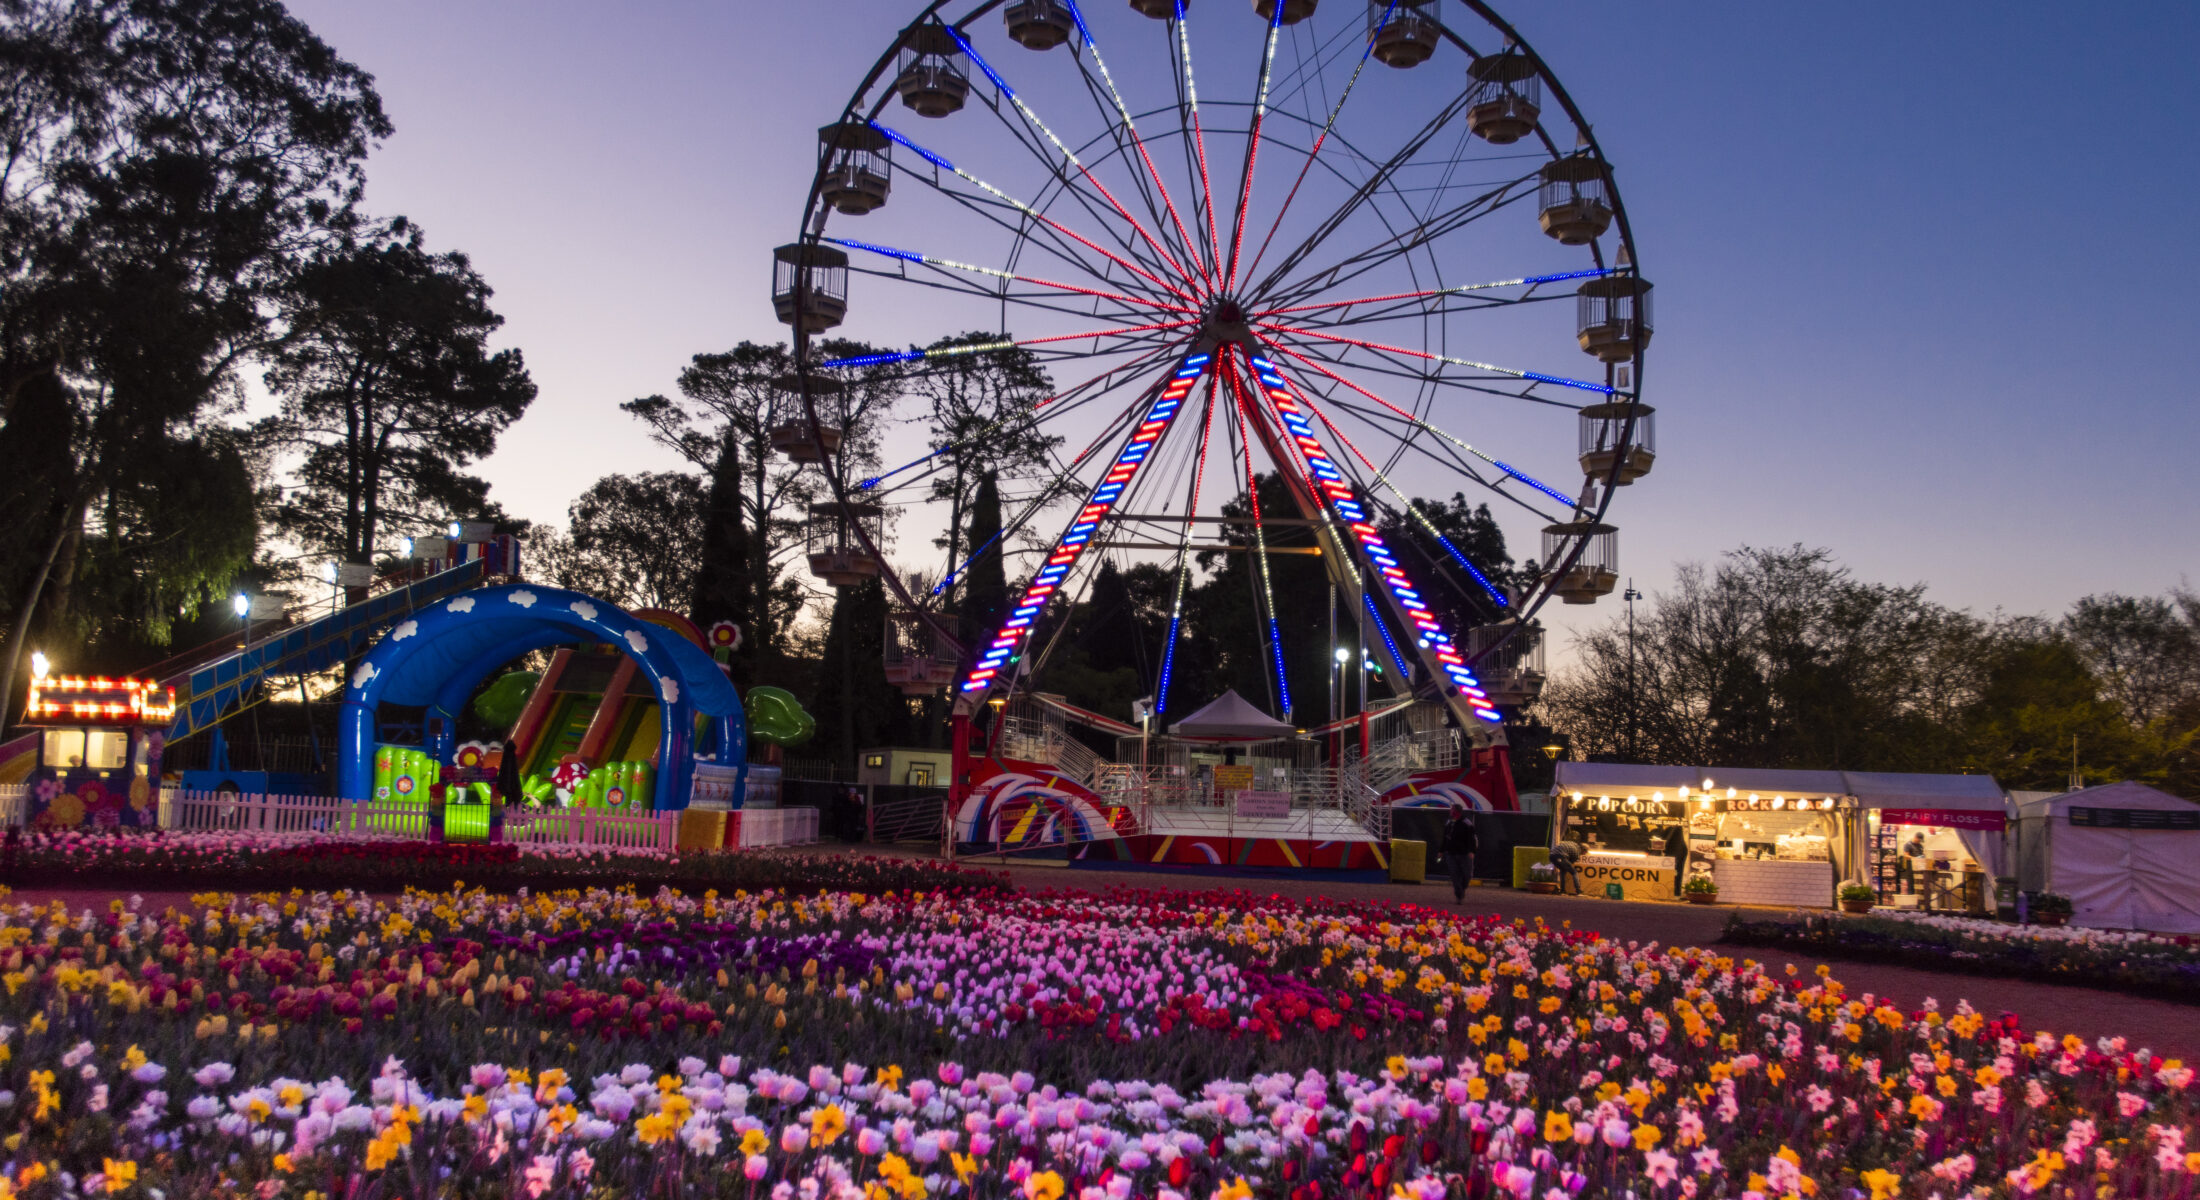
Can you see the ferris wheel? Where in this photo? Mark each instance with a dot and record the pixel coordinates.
(1370, 247)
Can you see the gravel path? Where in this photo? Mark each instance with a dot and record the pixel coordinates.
(2166, 1028)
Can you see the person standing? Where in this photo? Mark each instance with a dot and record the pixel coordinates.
(1565, 856)
(1676, 848)
(508, 783)
(1460, 841)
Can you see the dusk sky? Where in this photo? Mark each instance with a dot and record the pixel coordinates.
(1924, 272)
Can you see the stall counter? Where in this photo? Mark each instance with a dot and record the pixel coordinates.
(1781, 883)
(1637, 876)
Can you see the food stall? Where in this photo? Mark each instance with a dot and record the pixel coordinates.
(98, 750)
(1771, 837)
(1933, 842)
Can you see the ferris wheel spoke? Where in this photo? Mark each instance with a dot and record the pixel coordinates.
(1440, 434)
(1360, 196)
(1429, 294)
(1252, 143)
(1054, 488)
(1415, 234)
(1417, 310)
(1130, 126)
(1159, 417)
(1321, 138)
(1585, 385)
(1029, 211)
(1074, 161)
(1405, 502)
(947, 352)
(1260, 547)
(948, 264)
(1026, 416)
(1183, 549)
(1328, 483)
(1190, 86)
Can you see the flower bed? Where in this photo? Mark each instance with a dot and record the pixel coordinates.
(901, 1045)
(2147, 964)
(185, 861)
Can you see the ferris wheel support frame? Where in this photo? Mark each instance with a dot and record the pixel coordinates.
(1449, 663)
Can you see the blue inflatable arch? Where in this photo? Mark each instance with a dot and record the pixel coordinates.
(436, 659)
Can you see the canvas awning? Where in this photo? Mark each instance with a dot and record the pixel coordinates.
(1970, 801)
(1231, 716)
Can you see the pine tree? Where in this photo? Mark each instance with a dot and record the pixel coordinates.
(725, 585)
(984, 603)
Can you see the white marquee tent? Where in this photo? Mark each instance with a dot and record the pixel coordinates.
(2123, 852)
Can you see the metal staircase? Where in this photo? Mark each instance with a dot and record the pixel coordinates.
(210, 692)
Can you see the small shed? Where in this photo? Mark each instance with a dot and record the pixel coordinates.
(2123, 853)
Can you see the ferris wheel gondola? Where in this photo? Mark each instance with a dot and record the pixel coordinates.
(1226, 282)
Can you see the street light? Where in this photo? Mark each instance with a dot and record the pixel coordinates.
(1634, 724)
(240, 604)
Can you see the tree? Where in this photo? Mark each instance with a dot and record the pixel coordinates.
(634, 540)
(974, 402)
(729, 403)
(854, 704)
(725, 584)
(388, 388)
(2145, 650)
(984, 601)
(1777, 658)
(167, 161)
(1458, 601)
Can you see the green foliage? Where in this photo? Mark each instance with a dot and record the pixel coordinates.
(1857, 893)
(501, 703)
(776, 717)
(168, 165)
(635, 540)
(388, 388)
(721, 423)
(1781, 658)
(1700, 885)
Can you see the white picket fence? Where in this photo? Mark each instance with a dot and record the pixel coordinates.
(591, 827)
(334, 816)
(777, 827)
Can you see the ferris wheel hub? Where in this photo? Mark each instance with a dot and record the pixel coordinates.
(1225, 324)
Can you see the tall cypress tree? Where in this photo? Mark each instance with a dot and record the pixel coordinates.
(984, 601)
(725, 587)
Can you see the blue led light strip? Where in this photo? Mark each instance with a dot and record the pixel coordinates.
(1413, 510)
(1009, 640)
(1092, 47)
(1405, 673)
(1339, 496)
(1183, 547)
(949, 264)
(1603, 389)
(1260, 545)
(901, 139)
(1425, 427)
(1594, 273)
(1067, 153)
(902, 356)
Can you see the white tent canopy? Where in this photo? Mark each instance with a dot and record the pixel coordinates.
(2122, 852)
(1232, 716)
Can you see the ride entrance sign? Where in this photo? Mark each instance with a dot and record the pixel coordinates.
(1233, 778)
(1263, 804)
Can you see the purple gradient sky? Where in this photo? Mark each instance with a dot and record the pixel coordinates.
(1925, 272)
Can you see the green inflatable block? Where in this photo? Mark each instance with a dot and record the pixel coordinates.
(776, 717)
(502, 702)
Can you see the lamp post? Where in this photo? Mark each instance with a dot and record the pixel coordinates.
(1633, 702)
(241, 604)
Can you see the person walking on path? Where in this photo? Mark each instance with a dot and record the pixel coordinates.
(1459, 846)
(1564, 856)
(1676, 848)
